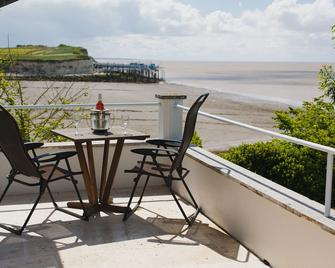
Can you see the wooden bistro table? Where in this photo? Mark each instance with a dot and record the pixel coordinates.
(86, 136)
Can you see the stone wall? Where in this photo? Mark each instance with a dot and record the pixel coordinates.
(53, 68)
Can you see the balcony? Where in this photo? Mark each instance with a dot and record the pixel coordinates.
(243, 216)
(147, 239)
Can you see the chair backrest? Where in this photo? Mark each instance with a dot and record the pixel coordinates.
(189, 127)
(12, 146)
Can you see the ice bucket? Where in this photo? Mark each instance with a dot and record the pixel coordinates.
(100, 120)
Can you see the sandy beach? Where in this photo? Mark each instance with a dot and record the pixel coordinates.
(215, 135)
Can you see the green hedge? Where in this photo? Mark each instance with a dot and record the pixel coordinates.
(298, 168)
(196, 139)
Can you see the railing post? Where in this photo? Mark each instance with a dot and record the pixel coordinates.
(329, 184)
(170, 117)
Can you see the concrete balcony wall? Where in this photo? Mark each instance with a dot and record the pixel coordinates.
(280, 226)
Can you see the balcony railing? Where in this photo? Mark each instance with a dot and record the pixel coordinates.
(170, 126)
(74, 106)
(329, 150)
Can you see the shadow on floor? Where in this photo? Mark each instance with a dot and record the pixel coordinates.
(40, 245)
(198, 234)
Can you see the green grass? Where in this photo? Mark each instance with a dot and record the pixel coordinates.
(43, 53)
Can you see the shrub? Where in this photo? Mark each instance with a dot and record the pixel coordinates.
(36, 125)
(293, 166)
(196, 140)
(314, 121)
(298, 168)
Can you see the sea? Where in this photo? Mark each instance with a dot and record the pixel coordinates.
(289, 83)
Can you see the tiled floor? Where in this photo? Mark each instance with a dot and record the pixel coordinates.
(155, 236)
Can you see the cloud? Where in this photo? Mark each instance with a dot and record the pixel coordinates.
(172, 17)
(168, 29)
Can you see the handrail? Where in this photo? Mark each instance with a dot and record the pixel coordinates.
(329, 150)
(73, 106)
(312, 145)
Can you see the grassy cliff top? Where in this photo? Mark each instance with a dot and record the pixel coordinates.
(44, 53)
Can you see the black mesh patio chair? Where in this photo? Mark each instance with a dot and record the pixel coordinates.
(42, 169)
(31, 147)
(151, 166)
(165, 144)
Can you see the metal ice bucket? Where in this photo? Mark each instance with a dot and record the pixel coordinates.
(100, 120)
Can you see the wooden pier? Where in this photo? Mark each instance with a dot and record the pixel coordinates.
(151, 71)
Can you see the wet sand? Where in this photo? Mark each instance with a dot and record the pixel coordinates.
(287, 82)
(216, 135)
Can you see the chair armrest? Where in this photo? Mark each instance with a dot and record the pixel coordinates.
(33, 145)
(51, 157)
(154, 152)
(164, 142)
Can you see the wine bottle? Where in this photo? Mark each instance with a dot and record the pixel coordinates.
(100, 105)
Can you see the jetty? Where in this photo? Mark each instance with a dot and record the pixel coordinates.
(151, 71)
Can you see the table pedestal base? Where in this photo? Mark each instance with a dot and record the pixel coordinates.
(93, 209)
(99, 200)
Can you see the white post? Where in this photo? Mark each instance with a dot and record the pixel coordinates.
(329, 184)
(170, 116)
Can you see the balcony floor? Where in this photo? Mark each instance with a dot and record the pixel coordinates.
(155, 236)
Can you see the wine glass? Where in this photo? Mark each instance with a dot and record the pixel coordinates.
(112, 117)
(77, 118)
(124, 122)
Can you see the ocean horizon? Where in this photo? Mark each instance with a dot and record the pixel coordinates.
(289, 83)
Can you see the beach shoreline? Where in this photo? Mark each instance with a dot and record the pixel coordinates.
(216, 136)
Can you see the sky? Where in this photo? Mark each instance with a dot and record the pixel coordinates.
(196, 30)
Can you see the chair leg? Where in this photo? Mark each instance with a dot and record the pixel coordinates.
(190, 219)
(52, 198)
(6, 189)
(144, 187)
(20, 230)
(130, 211)
(180, 207)
(190, 194)
(193, 217)
(85, 214)
(42, 190)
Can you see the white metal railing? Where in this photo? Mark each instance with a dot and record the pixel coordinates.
(172, 124)
(329, 150)
(73, 106)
